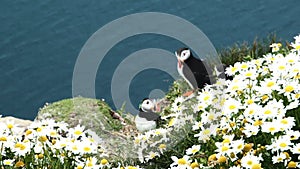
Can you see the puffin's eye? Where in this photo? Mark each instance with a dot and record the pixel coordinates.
(147, 102)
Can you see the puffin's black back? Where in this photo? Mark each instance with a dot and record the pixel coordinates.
(195, 70)
(150, 116)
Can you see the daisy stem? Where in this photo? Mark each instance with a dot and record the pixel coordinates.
(1, 162)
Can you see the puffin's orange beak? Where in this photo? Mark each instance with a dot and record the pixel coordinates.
(179, 63)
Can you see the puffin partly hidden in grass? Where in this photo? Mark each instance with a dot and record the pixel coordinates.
(192, 70)
(146, 119)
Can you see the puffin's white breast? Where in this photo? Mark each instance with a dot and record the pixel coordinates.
(143, 124)
(180, 71)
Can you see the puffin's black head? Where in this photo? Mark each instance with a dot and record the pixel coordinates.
(183, 54)
(146, 105)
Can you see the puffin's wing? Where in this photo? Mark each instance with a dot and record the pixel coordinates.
(201, 72)
(151, 116)
(201, 66)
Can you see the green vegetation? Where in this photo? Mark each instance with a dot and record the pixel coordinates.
(191, 134)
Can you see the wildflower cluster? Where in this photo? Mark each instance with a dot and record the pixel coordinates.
(254, 121)
(48, 144)
(251, 121)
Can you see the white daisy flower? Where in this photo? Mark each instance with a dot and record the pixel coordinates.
(181, 163)
(193, 150)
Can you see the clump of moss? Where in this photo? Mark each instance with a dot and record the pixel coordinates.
(91, 113)
(95, 115)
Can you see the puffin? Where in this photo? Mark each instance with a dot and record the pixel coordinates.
(146, 119)
(192, 70)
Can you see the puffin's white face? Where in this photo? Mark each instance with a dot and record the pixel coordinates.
(147, 105)
(184, 55)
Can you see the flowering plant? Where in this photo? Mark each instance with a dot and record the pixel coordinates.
(249, 122)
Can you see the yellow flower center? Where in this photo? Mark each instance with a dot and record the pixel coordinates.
(258, 123)
(287, 154)
(264, 97)
(162, 146)
(43, 138)
(289, 88)
(235, 87)
(137, 141)
(232, 155)
(284, 121)
(250, 101)
(86, 149)
(104, 161)
(256, 166)
(292, 164)
(10, 126)
(152, 155)
(131, 167)
(231, 107)
(251, 112)
(268, 112)
(74, 148)
(194, 165)
(270, 84)
(2, 138)
(182, 161)
(247, 147)
(249, 162)
(77, 132)
(248, 74)
(225, 148)
(272, 129)
(206, 132)
(244, 66)
(233, 69)
(226, 141)
(41, 156)
(194, 151)
(171, 122)
(206, 98)
(53, 133)
(282, 145)
(79, 167)
(281, 67)
(28, 132)
(20, 164)
(212, 157)
(222, 159)
(39, 129)
(89, 164)
(232, 124)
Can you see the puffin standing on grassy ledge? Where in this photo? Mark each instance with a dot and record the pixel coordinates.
(146, 119)
(192, 70)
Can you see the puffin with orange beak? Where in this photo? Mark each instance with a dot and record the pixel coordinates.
(192, 70)
(146, 119)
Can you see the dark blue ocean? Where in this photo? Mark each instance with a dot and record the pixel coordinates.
(41, 40)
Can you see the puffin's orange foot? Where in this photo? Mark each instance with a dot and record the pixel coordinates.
(187, 94)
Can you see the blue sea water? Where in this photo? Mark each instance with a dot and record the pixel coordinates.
(40, 42)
